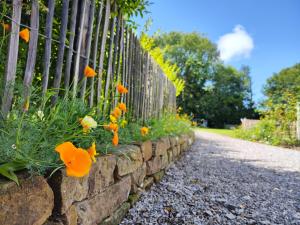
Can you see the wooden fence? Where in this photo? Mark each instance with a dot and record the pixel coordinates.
(90, 33)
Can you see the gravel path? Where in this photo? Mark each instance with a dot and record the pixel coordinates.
(225, 181)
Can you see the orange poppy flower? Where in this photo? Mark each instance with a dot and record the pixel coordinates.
(78, 161)
(113, 127)
(116, 113)
(122, 106)
(144, 131)
(25, 34)
(6, 26)
(115, 140)
(121, 89)
(89, 72)
(92, 152)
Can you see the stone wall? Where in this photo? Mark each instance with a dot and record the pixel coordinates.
(114, 184)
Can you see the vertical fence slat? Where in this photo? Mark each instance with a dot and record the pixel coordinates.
(95, 50)
(120, 57)
(132, 72)
(32, 50)
(124, 59)
(79, 43)
(150, 92)
(128, 72)
(48, 45)
(102, 52)
(71, 45)
(11, 64)
(116, 44)
(89, 44)
(61, 50)
(110, 59)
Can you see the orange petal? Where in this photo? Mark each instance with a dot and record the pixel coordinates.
(6, 26)
(89, 72)
(66, 151)
(80, 165)
(121, 89)
(122, 106)
(25, 34)
(115, 140)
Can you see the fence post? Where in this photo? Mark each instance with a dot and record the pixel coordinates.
(12, 57)
(298, 121)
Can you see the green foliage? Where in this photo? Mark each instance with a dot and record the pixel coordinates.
(262, 132)
(29, 138)
(287, 80)
(170, 69)
(133, 7)
(221, 94)
(278, 125)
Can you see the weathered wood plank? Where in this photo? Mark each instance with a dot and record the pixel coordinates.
(12, 57)
(110, 59)
(116, 43)
(48, 45)
(88, 46)
(124, 60)
(79, 43)
(71, 45)
(129, 67)
(32, 50)
(102, 52)
(120, 57)
(95, 50)
(61, 50)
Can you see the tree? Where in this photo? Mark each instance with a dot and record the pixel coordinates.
(287, 80)
(226, 98)
(250, 111)
(212, 91)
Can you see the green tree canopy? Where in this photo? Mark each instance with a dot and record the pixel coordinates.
(287, 80)
(219, 93)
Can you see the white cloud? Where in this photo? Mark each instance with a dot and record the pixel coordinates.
(237, 44)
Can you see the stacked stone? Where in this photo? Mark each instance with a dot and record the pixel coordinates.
(114, 184)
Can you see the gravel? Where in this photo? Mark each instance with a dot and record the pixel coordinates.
(222, 180)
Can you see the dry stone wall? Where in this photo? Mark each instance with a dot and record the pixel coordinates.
(103, 197)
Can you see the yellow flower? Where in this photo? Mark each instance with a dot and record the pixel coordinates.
(144, 131)
(123, 123)
(88, 123)
(113, 119)
(92, 152)
(78, 161)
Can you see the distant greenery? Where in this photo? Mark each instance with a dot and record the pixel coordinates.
(213, 91)
(277, 125)
(171, 70)
(227, 132)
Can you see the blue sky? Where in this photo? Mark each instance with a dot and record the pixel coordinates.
(269, 30)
